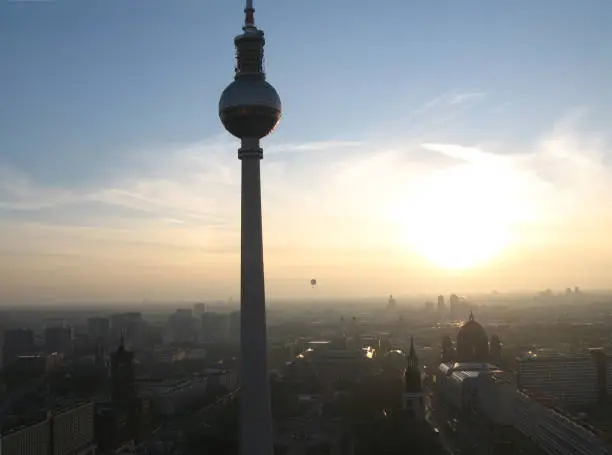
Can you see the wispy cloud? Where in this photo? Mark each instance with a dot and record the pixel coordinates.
(18, 192)
(357, 203)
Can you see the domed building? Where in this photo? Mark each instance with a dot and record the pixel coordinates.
(472, 342)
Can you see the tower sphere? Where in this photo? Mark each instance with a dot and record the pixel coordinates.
(250, 107)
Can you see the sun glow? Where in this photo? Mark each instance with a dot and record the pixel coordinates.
(463, 216)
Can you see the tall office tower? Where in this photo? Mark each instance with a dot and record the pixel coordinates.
(98, 328)
(441, 305)
(453, 303)
(123, 391)
(58, 339)
(250, 109)
(17, 342)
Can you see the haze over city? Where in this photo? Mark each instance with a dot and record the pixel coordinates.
(425, 148)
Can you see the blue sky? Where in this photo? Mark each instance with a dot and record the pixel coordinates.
(100, 97)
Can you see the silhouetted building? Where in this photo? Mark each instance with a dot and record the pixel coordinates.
(601, 366)
(472, 342)
(199, 309)
(234, 326)
(99, 328)
(453, 304)
(182, 326)
(495, 348)
(441, 306)
(123, 393)
(17, 342)
(391, 304)
(130, 327)
(215, 327)
(448, 350)
(58, 339)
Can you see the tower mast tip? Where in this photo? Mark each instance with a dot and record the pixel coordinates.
(249, 16)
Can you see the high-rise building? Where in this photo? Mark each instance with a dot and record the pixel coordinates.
(98, 328)
(250, 109)
(123, 392)
(17, 342)
(58, 339)
(453, 303)
(441, 306)
(130, 327)
(234, 326)
(448, 353)
(495, 350)
(199, 309)
(215, 327)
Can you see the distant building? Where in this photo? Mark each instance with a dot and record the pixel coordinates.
(58, 339)
(234, 326)
(17, 342)
(495, 349)
(391, 304)
(215, 327)
(199, 309)
(37, 364)
(129, 326)
(123, 394)
(441, 306)
(98, 328)
(448, 353)
(182, 326)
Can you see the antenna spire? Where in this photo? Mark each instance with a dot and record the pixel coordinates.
(249, 16)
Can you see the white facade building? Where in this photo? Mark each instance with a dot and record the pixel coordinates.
(496, 397)
(569, 379)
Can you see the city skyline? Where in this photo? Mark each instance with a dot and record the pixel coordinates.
(471, 154)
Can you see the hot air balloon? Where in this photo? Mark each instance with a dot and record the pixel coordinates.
(313, 282)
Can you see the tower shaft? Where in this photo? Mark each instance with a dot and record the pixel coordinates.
(256, 417)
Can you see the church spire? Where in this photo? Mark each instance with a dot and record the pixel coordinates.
(413, 359)
(413, 374)
(471, 318)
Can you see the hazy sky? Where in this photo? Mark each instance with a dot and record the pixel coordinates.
(429, 146)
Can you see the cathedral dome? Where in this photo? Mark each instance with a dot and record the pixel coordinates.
(472, 342)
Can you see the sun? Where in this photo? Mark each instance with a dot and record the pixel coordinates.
(466, 246)
(462, 217)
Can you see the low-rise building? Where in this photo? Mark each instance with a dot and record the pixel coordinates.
(169, 397)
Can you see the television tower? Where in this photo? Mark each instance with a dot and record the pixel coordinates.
(250, 108)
